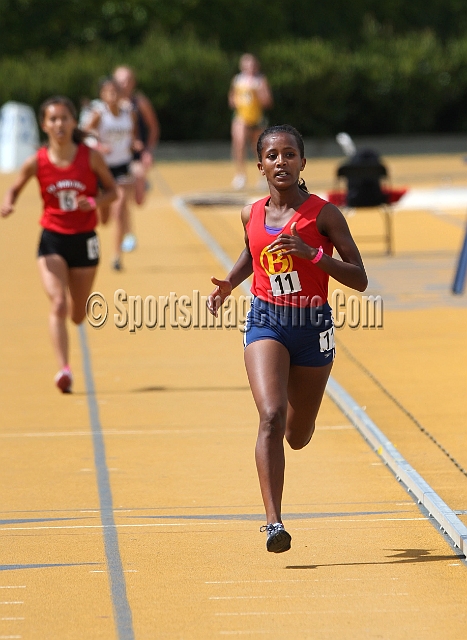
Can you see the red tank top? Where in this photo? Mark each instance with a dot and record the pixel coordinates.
(288, 280)
(60, 188)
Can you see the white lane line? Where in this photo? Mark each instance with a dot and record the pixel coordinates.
(338, 427)
(13, 602)
(295, 580)
(122, 432)
(261, 581)
(244, 633)
(312, 612)
(363, 520)
(261, 613)
(121, 526)
(319, 595)
(13, 587)
(149, 432)
(251, 597)
(124, 571)
(184, 508)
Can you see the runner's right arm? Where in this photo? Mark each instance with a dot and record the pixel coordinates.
(27, 171)
(242, 269)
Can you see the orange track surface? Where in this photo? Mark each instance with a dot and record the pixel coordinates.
(178, 425)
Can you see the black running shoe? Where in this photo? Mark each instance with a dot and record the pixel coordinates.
(117, 265)
(278, 540)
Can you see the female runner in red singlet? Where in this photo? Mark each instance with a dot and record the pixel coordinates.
(68, 254)
(289, 336)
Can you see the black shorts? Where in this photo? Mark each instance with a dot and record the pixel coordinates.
(121, 173)
(77, 249)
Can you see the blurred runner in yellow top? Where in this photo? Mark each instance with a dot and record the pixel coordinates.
(249, 95)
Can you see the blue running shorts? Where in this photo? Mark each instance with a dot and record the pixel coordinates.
(306, 332)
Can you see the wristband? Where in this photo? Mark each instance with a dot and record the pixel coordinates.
(318, 256)
(92, 202)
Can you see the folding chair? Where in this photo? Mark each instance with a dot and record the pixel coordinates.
(364, 173)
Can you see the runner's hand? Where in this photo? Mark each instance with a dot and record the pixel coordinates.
(83, 203)
(146, 158)
(6, 209)
(103, 148)
(138, 145)
(292, 244)
(221, 292)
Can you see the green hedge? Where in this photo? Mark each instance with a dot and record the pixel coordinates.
(402, 85)
(405, 85)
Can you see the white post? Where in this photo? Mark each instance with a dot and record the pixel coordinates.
(19, 135)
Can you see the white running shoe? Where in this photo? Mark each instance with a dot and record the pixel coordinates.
(129, 243)
(239, 182)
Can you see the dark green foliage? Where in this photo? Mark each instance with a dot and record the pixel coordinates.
(50, 26)
(409, 84)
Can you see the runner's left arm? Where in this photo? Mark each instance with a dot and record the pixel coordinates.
(152, 122)
(136, 143)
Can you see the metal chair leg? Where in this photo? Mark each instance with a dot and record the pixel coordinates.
(388, 227)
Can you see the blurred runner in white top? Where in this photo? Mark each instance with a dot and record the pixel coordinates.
(115, 127)
(148, 131)
(148, 127)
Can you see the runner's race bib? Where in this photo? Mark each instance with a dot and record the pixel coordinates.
(326, 340)
(67, 199)
(284, 283)
(93, 248)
